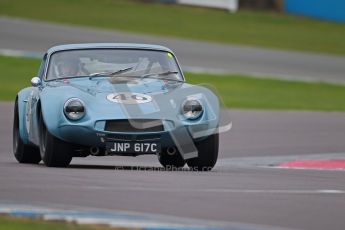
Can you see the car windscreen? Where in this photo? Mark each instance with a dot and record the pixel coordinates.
(114, 62)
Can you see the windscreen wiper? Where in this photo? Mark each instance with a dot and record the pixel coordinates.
(110, 74)
(161, 74)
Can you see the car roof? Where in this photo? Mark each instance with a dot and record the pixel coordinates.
(106, 46)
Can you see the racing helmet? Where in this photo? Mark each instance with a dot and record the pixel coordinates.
(67, 67)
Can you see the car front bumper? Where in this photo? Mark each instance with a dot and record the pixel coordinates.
(94, 135)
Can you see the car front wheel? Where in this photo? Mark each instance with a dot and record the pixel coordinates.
(207, 154)
(54, 152)
(171, 159)
(23, 153)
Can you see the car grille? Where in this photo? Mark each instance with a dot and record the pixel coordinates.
(134, 125)
(132, 137)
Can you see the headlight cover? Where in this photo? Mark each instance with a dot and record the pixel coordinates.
(192, 109)
(74, 109)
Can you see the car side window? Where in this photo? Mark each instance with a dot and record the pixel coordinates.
(42, 67)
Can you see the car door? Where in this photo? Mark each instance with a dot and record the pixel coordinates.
(32, 115)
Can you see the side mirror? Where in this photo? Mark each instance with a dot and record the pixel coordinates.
(35, 81)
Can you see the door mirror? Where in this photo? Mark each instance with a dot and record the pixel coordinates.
(35, 81)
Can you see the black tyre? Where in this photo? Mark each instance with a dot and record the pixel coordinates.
(171, 162)
(23, 153)
(54, 152)
(207, 154)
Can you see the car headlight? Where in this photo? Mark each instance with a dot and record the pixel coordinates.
(192, 109)
(74, 109)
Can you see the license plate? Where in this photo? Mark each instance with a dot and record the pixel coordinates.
(133, 147)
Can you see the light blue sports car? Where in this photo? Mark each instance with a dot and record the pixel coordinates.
(115, 99)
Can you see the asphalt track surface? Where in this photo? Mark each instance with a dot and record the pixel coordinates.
(19, 34)
(242, 187)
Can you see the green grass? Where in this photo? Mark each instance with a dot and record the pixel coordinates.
(236, 91)
(266, 29)
(255, 93)
(10, 223)
(16, 74)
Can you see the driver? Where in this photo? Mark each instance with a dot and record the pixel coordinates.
(68, 68)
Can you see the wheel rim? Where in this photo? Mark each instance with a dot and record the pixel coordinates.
(43, 141)
(15, 136)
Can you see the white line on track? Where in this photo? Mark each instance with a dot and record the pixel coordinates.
(302, 168)
(21, 53)
(329, 191)
(265, 191)
(124, 219)
(273, 161)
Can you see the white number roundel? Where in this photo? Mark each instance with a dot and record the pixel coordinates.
(129, 98)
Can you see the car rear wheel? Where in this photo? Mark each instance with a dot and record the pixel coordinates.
(23, 153)
(54, 152)
(171, 159)
(207, 154)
